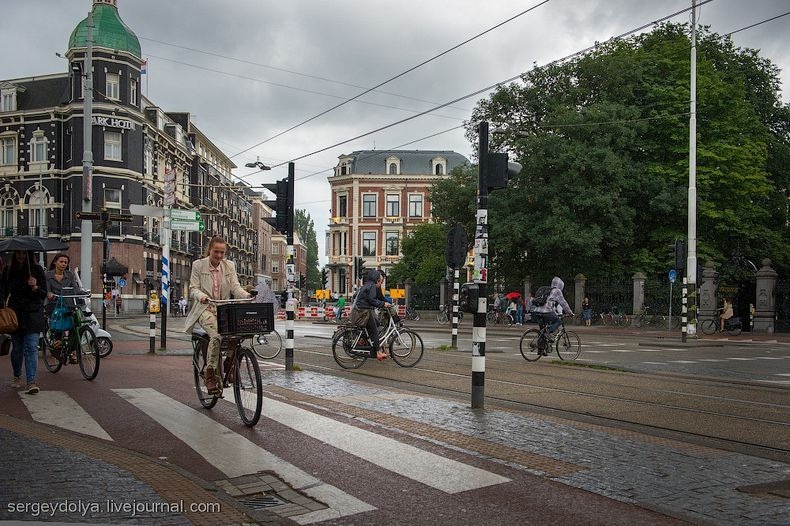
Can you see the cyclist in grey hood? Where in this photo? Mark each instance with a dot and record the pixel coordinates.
(548, 309)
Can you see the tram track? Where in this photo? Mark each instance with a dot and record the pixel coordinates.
(751, 419)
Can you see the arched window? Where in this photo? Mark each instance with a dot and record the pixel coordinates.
(439, 169)
(37, 199)
(9, 200)
(393, 169)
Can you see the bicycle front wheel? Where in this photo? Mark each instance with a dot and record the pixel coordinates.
(406, 348)
(708, 327)
(88, 353)
(441, 318)
(343, 349)
(198, 368)
(52, 357)
(529, 345)
(248, 387)
(569, 346)
(267, 346)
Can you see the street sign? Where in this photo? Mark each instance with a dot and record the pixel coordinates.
(145, 210)
(184, 215)
(673, 275)
(190, 226)
(122, 283)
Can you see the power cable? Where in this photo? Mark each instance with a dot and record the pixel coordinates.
(424, 62)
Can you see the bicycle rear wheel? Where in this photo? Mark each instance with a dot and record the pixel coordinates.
(248, 387)
(343, 349)
(267, 346)
(406, 348)
(441, 318)
(52, 357)
(529, 345)
(198, 368)
(569, 346)
(88, 353)
(708, 327)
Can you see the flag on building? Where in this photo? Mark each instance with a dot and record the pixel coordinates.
(144, 67)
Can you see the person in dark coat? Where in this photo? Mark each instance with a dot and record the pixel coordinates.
(367, 300)
(25, 286)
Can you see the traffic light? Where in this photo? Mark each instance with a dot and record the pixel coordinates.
(468, 297)
(680, 255)
(499, 171)
(324, 277)
(360, 268)
(302, 281)
(280, 206)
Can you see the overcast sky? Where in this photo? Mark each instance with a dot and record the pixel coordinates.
(351, 45)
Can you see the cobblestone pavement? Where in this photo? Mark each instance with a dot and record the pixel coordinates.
(53, 475)
(675, 478)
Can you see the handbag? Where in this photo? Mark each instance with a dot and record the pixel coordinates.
(8, 321)
(359, 317)
(61, 319)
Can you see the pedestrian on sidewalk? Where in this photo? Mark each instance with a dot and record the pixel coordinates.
(25, 287)
(340, 305)
(587, 311)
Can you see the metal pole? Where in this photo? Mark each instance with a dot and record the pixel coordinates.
(291, 275)
(86, 227)
(480, 275)
(165, 299)
(151, 333)
(691, 261)
(669, 323)
(684, 312)
(455, 308)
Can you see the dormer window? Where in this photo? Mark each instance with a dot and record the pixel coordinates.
(439, 165)
(9, 99)
(393, 166)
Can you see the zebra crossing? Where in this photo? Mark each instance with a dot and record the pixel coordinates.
(236, 455)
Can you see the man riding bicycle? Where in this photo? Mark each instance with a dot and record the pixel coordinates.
(213, 278)
(548, 310)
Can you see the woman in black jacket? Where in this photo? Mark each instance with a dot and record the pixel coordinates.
(26, 288)
(364, 304)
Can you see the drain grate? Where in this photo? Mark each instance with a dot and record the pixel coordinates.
(262, 502)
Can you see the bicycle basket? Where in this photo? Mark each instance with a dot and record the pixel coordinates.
(245, 318)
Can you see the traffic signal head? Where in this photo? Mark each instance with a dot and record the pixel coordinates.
(360, 268)
(280, 206)
(468, 297)
(680, 255)
(499, 171)
(324, 277)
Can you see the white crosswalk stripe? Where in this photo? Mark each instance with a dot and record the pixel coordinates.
(58, 409)
(235, 455)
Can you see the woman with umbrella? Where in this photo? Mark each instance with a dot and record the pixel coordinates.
(25, 287)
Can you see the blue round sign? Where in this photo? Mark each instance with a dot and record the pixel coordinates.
(673, 275)
(121, 282)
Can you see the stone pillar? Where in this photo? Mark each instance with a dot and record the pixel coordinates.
(765, 308)
(579, 293)
(443, 284)
(639, 292)
(707, 293)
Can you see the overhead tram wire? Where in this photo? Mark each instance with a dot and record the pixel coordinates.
(488, 88)
(275, 68)
(396, 77)
(286, 86)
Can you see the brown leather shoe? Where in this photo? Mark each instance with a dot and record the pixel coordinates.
(210, 381)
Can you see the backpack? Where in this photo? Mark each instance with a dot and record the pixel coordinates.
(541, 296)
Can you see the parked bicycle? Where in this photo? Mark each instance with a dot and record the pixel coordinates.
(646, 319)
(446, 315)
(615, 318)
(78, 340)
(351, 345)
(267, 346)
(732, 326)
(237, 367)
(535, 343)
(499, 317)
(411, 313)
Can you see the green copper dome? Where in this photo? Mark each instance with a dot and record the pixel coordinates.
(109, 31)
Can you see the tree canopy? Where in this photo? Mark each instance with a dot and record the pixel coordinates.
(604, 144)
(303, 225)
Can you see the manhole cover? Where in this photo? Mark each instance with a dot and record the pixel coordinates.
(262, 502)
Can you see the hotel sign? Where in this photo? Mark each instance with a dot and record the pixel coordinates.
(113, 122)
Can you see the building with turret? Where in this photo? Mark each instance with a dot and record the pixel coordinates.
(136, 145)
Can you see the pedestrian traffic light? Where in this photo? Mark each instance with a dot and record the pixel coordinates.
(680, 255)
(468, 297)
(499, 171)
(280, 206)
(324, 277)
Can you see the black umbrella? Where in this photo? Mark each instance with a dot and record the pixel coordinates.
(31, 244)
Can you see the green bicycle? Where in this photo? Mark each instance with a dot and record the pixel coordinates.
(79, 341)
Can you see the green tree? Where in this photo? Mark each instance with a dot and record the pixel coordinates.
(421, 260)
(306, 230)
(604, 144)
